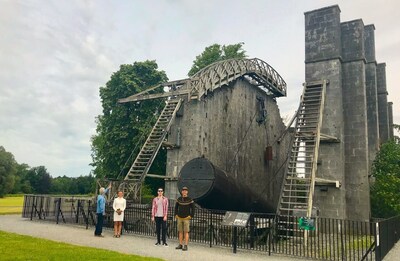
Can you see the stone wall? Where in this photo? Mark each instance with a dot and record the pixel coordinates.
(382, 102)
(371, 91)
(323, 61)
(222, 127)
(356, 109)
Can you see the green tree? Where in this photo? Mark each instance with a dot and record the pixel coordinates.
(396, 138)
(22, 185)
(85, 184)
(123, 127)
(39, 179)
(7, 171)
(215, 53)
(61, 185)
(385, 190)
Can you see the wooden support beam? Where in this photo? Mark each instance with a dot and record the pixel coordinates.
(329, 138)
(155, 176)
(327, 182)
(142, 97)
(171, 84)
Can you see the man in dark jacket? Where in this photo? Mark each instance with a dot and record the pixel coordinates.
(184, 211)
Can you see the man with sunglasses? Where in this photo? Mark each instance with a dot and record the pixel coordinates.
(184, 211)
(159, 213)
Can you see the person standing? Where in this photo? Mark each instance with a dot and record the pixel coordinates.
(119, 206)
(159, 214)
(184, 211)
(101, 211)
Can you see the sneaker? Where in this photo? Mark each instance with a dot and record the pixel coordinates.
(179, 247)
(165, 244)
(185, 248)
(157, 244)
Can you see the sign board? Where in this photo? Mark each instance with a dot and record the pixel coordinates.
(236, 219)
(307, 223)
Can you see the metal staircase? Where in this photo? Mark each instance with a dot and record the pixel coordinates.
(298, 188)
(137, 173)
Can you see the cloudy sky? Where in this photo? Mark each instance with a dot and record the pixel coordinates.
(54, 56)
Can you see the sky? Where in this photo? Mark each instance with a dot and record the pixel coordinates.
(55, 54)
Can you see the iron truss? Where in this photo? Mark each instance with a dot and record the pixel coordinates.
(222, 73)
(216, 75)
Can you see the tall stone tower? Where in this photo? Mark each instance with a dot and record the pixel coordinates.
(356, 109)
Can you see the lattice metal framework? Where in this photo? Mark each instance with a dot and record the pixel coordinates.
(216, 75)
(222, 73)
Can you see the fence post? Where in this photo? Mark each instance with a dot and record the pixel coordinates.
(33, 205)
(378, 245)
(270, 235)
(252, 231)
(58, 210)
(77, 211)
(41, 206)
(341, 239)
(211, 229)
(234, 240)
(88, 214)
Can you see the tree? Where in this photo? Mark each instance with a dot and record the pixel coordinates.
(85, 184)
(21, 185)
(385, 190)
(7, 171)
(215, 53)
(39, 179)
(396, 138)
(123, 127)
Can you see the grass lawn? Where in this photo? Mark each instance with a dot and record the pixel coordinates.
(18, 247)
(11, 205)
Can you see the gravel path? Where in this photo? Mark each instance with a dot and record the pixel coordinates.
(130, 244)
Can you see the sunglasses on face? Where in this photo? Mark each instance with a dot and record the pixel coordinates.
(160, 191)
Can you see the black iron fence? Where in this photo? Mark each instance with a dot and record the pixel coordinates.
(327, 239)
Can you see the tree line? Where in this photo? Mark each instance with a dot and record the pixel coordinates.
(18, 178)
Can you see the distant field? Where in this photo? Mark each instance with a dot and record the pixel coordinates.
(11, 205)
(18, 247)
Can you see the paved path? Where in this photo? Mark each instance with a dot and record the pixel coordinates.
(138, 245)
(129, 244)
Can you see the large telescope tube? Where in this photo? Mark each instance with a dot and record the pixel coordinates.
(212, 188)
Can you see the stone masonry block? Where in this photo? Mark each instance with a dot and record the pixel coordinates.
(352, 40)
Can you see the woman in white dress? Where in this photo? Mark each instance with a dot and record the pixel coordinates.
(119, 206)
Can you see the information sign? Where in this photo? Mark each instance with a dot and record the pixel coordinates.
(236, 219)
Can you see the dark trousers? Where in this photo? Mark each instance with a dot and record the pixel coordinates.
(99, 225)
(161, 228)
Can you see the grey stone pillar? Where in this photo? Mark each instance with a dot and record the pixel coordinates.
(323, 61)
(372, 97)
(382, 103)
(355, 121)
(390, 111)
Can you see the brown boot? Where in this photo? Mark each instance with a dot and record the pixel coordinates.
(179, 247)
(184, 248)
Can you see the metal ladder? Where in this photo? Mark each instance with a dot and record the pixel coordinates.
(298, 188)
(131, 186)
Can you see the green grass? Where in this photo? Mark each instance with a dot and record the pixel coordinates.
(11, 205)
(18, 247)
